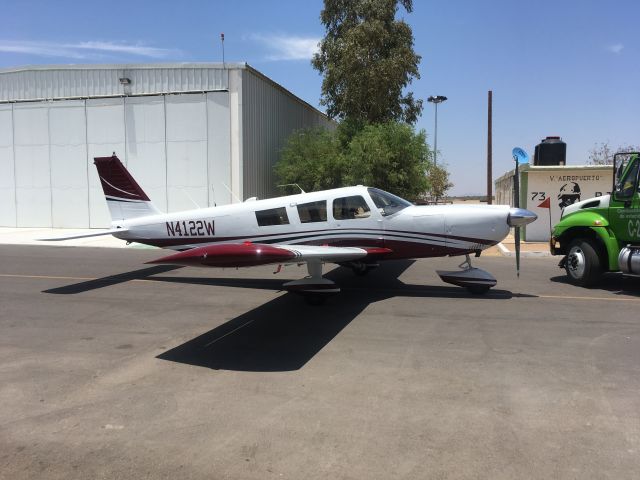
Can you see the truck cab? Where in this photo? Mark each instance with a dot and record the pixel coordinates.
(602, 234)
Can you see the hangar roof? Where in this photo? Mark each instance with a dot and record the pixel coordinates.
(52, 82)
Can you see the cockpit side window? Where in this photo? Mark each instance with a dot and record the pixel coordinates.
(387, 203)
(347, 208)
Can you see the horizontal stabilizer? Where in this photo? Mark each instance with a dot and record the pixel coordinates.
(84, 235)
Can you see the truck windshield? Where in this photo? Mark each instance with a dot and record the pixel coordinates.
(386, 202)
(624, 173)
(626, 187)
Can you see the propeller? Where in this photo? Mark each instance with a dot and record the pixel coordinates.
(519, 156)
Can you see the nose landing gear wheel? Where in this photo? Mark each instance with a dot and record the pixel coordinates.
(475, 280)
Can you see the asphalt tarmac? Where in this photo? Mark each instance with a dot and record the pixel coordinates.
(110, 368)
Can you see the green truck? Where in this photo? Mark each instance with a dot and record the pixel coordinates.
(602, 234)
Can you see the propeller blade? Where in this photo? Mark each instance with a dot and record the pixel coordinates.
(519, 155)
(516, 234)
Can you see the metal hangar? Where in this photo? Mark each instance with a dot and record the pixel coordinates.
(192, 134)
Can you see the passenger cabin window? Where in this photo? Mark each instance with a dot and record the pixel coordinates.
(347, 208)
(313, 212)
(387, 203)
(273, 216)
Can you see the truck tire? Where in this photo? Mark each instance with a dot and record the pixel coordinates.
(583, 263)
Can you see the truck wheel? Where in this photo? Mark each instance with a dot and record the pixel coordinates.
(583, 264)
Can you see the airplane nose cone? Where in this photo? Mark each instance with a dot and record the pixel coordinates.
(519, 217)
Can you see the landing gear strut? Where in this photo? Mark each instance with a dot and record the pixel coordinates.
(476, 280)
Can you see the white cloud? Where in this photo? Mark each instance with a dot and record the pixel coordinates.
(89, 50)
(617, 48)
(283, 47)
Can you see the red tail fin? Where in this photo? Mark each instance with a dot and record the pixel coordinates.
(116, 181)
(124, 196)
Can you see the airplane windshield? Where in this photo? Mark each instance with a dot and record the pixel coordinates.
(387, 203)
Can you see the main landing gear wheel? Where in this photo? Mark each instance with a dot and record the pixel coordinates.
(478, 289)
(314, 289)
(361, 268)
(583, 263)
(315, 299)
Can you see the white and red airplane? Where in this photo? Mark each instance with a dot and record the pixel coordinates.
(353, 226)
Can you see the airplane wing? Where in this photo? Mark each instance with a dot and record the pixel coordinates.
(251, 254)
(84, 235)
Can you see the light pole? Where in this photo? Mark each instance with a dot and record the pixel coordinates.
(436, 100)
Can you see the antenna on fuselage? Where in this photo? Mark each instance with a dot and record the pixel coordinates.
(190, 198)
(235, 197)
(292, 185)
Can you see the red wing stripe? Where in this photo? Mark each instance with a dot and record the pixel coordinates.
(229, 255)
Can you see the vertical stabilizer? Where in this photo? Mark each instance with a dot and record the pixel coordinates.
(124, 196)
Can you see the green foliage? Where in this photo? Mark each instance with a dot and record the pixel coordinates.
(438, 178)
(367, 60)
(313, 159)
(391, 156)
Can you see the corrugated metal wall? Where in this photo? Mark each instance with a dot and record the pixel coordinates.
(270, 115)
(7, 169)
(176, 146)
(66, 82)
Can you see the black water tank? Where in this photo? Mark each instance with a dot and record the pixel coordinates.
(550, 151)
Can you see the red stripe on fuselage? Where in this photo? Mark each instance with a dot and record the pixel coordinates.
(289, 237)
(229, 255)
(398, 249)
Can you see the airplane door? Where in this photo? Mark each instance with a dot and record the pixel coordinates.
(358, 223)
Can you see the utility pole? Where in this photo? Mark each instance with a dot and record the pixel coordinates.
(490, 149)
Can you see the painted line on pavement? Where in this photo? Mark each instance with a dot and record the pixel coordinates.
(515, 295)
(54, 277)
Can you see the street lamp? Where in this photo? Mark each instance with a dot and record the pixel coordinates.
(436, 100)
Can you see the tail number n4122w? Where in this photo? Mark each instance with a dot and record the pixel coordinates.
(190, 228)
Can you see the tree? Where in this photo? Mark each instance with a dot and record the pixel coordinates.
(438, 179)
(391, 156)
(367, 60)
(312, 158)
(603, 154)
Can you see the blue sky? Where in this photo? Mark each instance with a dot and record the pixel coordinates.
(563, 67)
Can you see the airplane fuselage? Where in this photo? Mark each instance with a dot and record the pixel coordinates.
(350, 216)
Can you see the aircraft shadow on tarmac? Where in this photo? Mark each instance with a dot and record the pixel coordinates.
(615, 283)
(141, 274)
(284, 333)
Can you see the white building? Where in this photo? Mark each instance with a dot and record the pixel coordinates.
(191, 134)
(558, 186)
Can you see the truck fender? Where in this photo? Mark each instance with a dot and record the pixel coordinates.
(603, 236)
